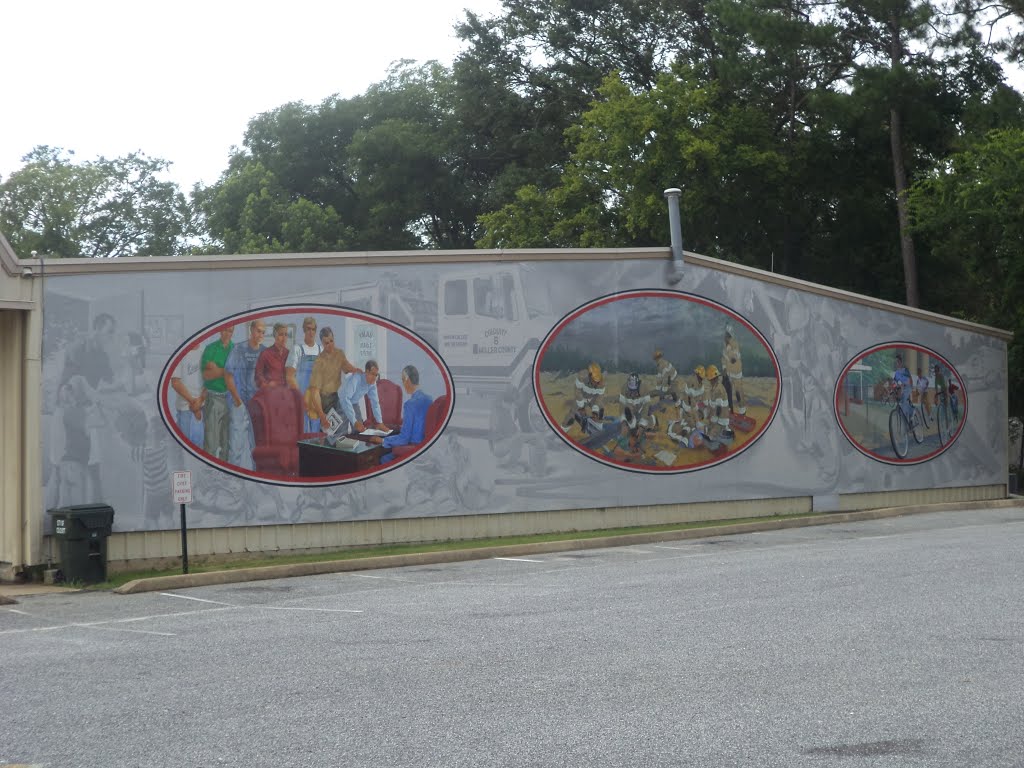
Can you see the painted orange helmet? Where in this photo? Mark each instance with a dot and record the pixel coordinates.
(595, 372)
(712, 372)
(699, 370)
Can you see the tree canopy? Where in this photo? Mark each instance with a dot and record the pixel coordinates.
(971, 216)
(94, 209)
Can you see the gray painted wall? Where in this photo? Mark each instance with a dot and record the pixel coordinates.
(489, 460)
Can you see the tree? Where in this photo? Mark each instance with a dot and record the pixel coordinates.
(294, 160)
(390, 169)
(566, 48)
(414, 163)
(250, 212)
(916, 56)
(971, 216)
(629, 148)
(96, 209)
(737, 122)
(531, 72)
(794, 127)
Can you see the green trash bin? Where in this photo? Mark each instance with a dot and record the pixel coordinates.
(82, 533)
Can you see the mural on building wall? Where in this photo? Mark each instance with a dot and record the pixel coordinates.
(900, 403)
(95, 393)
(657, 381)
(271, 395)
(114, 341)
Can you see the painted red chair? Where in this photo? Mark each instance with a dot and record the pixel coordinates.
(390, 396)
(277, 414)
(436, 413)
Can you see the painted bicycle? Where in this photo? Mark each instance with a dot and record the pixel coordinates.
(901, 425)
(947, 413)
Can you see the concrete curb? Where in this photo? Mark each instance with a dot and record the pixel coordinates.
(184, 581)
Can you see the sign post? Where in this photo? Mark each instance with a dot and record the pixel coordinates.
(181, 486)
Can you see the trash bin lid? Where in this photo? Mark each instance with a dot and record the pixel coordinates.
(87, 515)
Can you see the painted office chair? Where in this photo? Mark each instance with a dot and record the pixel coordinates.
(277, 418)
(434, 421)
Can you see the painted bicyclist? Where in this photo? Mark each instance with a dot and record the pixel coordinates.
(904, 381)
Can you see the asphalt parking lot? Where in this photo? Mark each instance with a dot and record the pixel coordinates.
(894, 642)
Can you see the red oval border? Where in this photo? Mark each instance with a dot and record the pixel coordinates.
(679, 295)
(166, 413)
(881, 348)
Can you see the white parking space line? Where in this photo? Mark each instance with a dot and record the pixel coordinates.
(690, 549)
(324, 610)
(86, 625)
(518, 559)
(20, 613)
(628, 551)
(197, 599)
(767, 547)
(123, 629)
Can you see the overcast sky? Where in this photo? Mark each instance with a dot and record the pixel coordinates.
(181, 80)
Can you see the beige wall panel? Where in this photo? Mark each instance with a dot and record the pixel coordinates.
(117, 546)
(128, 551)
(12, 534)
(203, 540)
(32, 452)
(220, 539)
(295, 537)
(857, 501)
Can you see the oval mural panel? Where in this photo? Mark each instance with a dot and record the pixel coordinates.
(900, 403)
(657, 381)
(305, 394)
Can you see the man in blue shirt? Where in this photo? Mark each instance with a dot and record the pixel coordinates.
(414, 415)
(357, 386)
(240, 379)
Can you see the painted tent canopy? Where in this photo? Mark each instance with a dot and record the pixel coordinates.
(657, 381)
(279, 394)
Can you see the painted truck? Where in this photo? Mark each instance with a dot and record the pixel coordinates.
(487, 325)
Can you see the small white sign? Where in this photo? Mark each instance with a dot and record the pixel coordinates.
(181, 485)
(366, 342)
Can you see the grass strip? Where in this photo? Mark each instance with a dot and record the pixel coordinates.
(355, 553)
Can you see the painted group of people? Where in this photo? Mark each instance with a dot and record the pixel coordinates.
(696, 411)
(102, 372)
(214, 388)
(929, 391)
(86, 377)
(705, 412)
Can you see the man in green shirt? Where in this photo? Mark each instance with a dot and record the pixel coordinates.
(215, 407)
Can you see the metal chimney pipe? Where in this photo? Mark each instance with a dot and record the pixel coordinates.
(675, 272)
